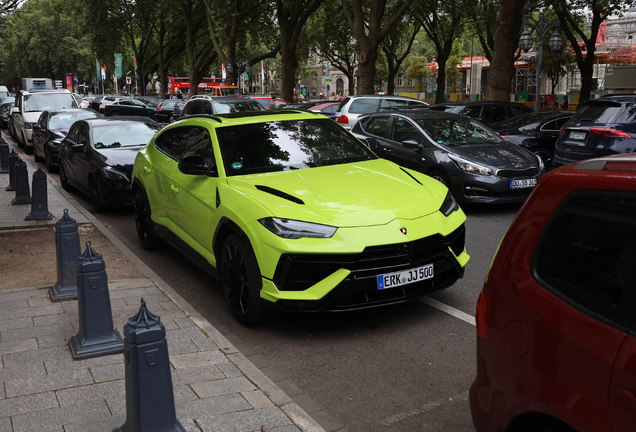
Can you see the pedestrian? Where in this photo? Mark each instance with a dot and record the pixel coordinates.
(333, 96)
(565, 103)
(272, 103)
(339, 96)
(555, 104)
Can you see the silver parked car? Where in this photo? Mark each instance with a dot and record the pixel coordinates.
(353, 107)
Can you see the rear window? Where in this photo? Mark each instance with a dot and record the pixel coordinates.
(60, 121)
(588, 254)
(598, 113)
(363, 106)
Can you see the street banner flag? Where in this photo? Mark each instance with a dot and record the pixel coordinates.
(223, 73)
(262, 72)
(103, 71)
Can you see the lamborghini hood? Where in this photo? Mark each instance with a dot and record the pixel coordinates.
(349, 195)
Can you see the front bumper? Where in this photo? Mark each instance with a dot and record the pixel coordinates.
(340, 282)
(474, 188)
(116, 193)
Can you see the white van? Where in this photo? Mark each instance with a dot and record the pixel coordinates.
(4, 92)
(29, 106)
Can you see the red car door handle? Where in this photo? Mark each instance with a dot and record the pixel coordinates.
(629, 395)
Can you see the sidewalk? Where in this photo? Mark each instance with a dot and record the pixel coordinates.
(216, 388)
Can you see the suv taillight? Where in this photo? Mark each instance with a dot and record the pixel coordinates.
(609, 132)
(480, 316)
(343, 120)
(562, 127)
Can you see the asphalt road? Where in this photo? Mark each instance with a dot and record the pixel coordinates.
(400, 368)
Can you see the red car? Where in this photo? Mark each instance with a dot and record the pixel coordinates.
(556, 327)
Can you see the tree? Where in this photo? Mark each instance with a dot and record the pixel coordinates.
(506, 43)
(339, 49)
(556, 66)
(419, 70)
(396, 47)
(199, 55)
(573, 14)
(484, 16)
(292, 16)
(442, 21)
(371, 25)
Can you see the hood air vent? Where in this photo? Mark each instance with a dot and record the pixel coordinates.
(280, 194)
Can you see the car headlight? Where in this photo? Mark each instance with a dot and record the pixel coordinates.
(541, 164)
(470, 167)
(293, 229)
(449, 205)
(113, 174)
(29, 125)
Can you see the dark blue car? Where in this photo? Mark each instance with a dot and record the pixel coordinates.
(601, 127)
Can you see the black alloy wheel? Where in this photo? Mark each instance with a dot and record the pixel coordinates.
(63, 178)
(440, 177)
(143, 223)
(96, 196)
(545, 155)
(241, 280)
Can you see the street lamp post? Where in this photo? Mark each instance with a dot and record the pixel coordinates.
(239, 61)
(555, 44)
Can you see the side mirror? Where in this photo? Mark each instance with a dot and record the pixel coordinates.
(76, 148)
(411, 143)
(196, 165)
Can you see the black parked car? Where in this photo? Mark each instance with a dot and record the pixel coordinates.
(535, 131)
(5, 113)
(165, 110)
(176, 110)
(51, 129)
(486, 112)
(95, 103)
(219, 105)
(473, 161)
(97, 157)
(601, 127)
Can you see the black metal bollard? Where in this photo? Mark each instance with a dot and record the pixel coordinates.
(40, 202)
(13, 159)
(68, 250)
(22, 192)
(4, 157)
(149, 393)
(96, 336)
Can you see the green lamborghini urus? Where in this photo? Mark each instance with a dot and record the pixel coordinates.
(291, 212)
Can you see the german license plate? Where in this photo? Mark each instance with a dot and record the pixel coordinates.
(577, 135)
(523, 184)
(392, 280)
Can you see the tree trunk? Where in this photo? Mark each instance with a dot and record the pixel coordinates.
(366, 68)
(288, 69)
(163, 68)
(441, 79)
(506, 42)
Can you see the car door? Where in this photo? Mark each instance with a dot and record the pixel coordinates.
(17, 116)
(194, 196)
(376, 129)
(80, 162)
(491, 114)
(40, 133)
(580, 352)
(408, 144)
(170, 145)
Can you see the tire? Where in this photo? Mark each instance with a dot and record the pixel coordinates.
(545, 155)
(48, 160)
(96, 196)
(241, 281)
(143, 222)
(63, 178)
(36, 156)
(440, 177)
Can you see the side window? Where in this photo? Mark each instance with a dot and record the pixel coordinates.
(517, 111)
(377, 125)
(42, 121)
(588, 255)
(72, 134)
(471, 111)
(560, 122)
(207, 107)
(198, 142)
(387, 104)
(173, 142)
(363, 106)
(195, 107)
(402, 130)
(550, 126)
(82, 135)
(493, 113)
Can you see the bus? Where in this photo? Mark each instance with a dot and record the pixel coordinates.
(208, 85)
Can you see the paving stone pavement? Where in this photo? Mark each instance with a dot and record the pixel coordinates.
(216, 388)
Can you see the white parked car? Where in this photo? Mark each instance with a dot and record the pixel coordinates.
(85, 102)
